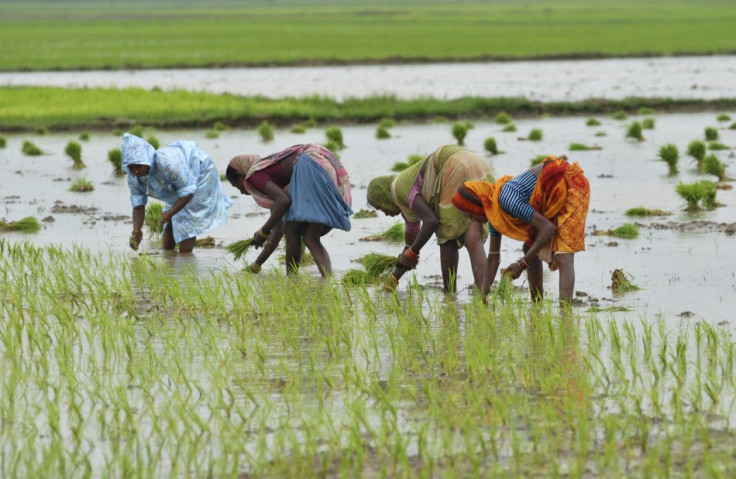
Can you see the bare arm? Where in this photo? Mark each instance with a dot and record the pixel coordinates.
(545, 230)
(281, 203)
(176, 207)
(430, 222)
(492, 263)
(271, 244)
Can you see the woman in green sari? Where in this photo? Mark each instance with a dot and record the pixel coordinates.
(422, 195)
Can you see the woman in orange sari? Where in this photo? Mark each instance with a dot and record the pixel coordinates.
(545, 207)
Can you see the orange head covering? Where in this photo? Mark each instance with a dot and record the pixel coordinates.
(467, 201)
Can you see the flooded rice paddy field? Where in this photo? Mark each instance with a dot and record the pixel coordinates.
(681, 262)
(703, 77)
(121, 363)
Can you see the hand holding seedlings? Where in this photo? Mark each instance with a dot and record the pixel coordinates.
(407, 259)
(135, 239)
(259, 237)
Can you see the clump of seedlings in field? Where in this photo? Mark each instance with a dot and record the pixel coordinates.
(74, 151)
(490, 145)
(382, 133)
(696, 149)
(298, 129)
(537, 160)
(84, 136)
(619, 115)
(30, 149)
(592, 122)
(29, 224)
(634, 131)
(265, 131)
(137, 130)
(212, 134)
(386, 122)
(647, 123)
(582, 147)
(394, 234)
(401, 166)
(723, 117)
(82, 185)
(620, 282)
(713, 166)
(670, 155)
(535, 135)
(206, 242)
(460, 131)
(334, 135)
(41, 130)
(153, 141)
(363, 214)
(711, 134)
(732, 126)
(509, 128)
(220, 126)
(153, 220)
(645, 110)
(115, 157)
(502, 118)
(698, 195)
(3, 142)
(640, 211)
(504, 287)
(378, 265)
(359, 277)
(625, 231)
(239, 248)
(716, 146)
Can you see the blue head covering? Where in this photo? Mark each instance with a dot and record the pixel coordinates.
(136, 151)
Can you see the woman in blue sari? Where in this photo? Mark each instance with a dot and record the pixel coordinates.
(185, 179)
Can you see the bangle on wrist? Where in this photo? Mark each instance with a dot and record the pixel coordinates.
(522, 263)
(262, 234)
(137, 231)
(410, 254)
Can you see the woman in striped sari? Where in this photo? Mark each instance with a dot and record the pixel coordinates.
(422, 194)
(545, 207)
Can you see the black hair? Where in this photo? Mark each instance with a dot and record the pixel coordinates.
(233, 175)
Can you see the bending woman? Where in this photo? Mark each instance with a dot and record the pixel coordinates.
(545, 207)
(422, 195)
(308, 192)
(185, 179)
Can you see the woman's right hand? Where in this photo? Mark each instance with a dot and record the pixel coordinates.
(259, 238)
(135, 239)
(403, 261)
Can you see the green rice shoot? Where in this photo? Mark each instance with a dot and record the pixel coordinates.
(82, 185)
(239, 248)
(395, 234)
(153, 220)
(378, 265)
(640, 211)
(669, 154)
(29, 224)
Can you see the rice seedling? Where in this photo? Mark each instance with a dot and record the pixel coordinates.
(3, 142)
(698, 195)
(333, 146)
(74, 151)
(509, 128)
(535, 135)
(582, 147)
(460, 131)
(401, 166)
(395, 234)
(502, 118)
(648, 123)
(490, 145)
(206, 242)
(153, 220)
(732, 126)
(357, 277)
(592, 122)
(220, 126)
(137, 130)
(212, 134)
(239, 248)
(299, 129)
(334, 134)
(670, 155)
(619, 115)
(363, 214)
(696, 149)
(711, 134)
(115, 157)
(645, 110)
(716, 146)
(723, 117)
(153, 141)
(84, 136)
(386, 122)
(41, 130)
(626, 231)
(634, 131)
(537, 160)
(265, 131)
(382, 133)
(30, 149)
(82, 185)
(378, 265)
(714, 166)
(641, 211)
(620, 282)
(505, 287)
(310, 123)
(29, 224)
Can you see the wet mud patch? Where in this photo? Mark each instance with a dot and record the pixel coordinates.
(694, 226)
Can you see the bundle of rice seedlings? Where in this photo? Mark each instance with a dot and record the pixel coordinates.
(401, 166)
(592, 122)
(220, 126)
(698, 195)
(74, 151)
(537, 160)
(212, 134)
(153, 218)
(29, 224)
(386, 123)
(626, 230)
(30, 149)
(619, 115)
(645, 111)
(206, 242)
(378, 265)
(334, 134)
(333, 146)
(460, 131)
(696, 149)
(153, 141)
(669, 154)
(298, 129)
(239, 248)
(137, 130)
(715, 146)
(363, 214)
(713, 166)
(490, 145)
(502, 118)
(358, 277)
(647, 123)
(115, 156)
(582, 147)
(535, 135)
(711, 134)
(620, 283)
(641, 211)
(732, 126)
(265, 130)
(504, 287)
(509, 128)
(394, 234)
(82, 185)
(84, 136)
(634, 131)
(382, 133)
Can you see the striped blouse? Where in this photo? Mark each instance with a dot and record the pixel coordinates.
(515, 196)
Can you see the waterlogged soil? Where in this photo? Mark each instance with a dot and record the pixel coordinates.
(682, 262)
(706, 78)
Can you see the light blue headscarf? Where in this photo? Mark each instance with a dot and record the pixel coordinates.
(136, 151)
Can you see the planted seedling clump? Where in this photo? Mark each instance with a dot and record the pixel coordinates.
(153, 220)
(535, 135)
(29, 224)
(30, 149)
(460, 131)
(669, 154)
(711, 134)
(82, 185)
(502, 118)
(265, 131)
(382, 133)
(115, 157)
(634, 131)
(74, 151)
(698, 195)
(334, 135)
(490, 145)
(394, 234)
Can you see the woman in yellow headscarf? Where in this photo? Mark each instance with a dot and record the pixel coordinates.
(422, 194)
(546, 207)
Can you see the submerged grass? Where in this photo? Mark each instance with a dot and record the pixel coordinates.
(127, 367)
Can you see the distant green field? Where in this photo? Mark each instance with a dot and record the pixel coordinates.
(28, 108)
(93, 34)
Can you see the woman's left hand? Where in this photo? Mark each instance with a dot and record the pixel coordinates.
(513, 270)
(166, 217)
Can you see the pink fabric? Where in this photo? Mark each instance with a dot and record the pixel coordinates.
(415, 190)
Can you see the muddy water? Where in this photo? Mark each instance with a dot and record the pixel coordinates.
(568, 80)
(685, 268)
